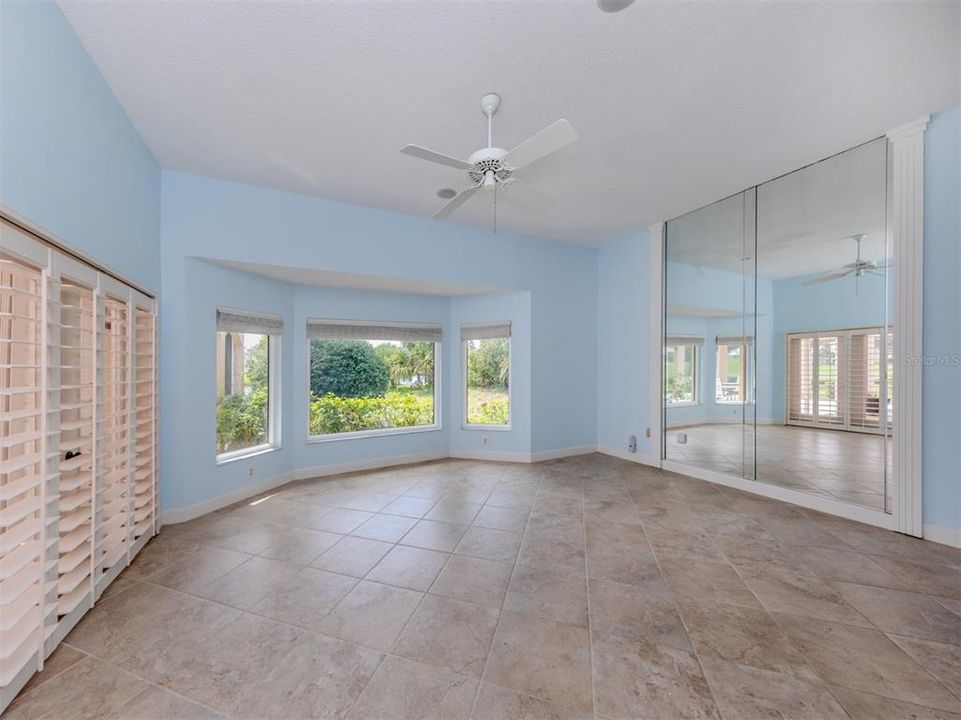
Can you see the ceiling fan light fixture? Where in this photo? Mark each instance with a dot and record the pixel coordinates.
(491, 166)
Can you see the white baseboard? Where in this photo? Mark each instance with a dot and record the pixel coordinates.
(942, 535)
(563, 453)
(522, 457)
(367, 464)
(518, 457)
(639, 458)
(179, 515)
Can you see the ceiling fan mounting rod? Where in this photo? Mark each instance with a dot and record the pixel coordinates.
(489, 104)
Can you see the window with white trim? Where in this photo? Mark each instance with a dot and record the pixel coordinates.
(487, 371)
(248, 382)
(372, 378)
(681, 370)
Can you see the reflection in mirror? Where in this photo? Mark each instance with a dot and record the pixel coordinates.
(709, 366)
(822, 247)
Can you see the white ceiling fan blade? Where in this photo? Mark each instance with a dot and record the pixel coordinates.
(552, 138)
(826, 278)
(430, 155)
(528, 196)
(456, 201)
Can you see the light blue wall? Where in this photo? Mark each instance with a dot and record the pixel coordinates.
(623, 346)
(942, 321)
(192, 291)
(217, 219)
(513, 307)
(339, 304)
(70, 160)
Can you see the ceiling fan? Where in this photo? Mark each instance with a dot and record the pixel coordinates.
(858, 268)
(493, 167)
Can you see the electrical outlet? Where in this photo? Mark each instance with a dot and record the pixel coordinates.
(250, 472)
(647, 432)
(484, 441)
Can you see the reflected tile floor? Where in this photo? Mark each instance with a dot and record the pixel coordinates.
(846, 466)
(580, 588)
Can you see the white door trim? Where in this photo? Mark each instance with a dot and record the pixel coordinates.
(656, 420)
(906, 233)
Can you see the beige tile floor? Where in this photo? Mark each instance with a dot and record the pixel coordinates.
(847, 466)
(579, 588)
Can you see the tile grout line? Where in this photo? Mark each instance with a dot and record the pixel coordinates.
(146, 680)
(587, 590)
(383, 653)
(680, 615)
(539, 488)
(807, 661)
(483, 676)
(419, 603)
(424, 594)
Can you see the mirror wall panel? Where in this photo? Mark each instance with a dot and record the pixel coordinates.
(709, 367)
(822, 244)
(777, 333)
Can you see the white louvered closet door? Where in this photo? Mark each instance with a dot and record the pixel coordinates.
(144, 420)
(78, 444)
(75, 285)
(114, 496)
(23, 381)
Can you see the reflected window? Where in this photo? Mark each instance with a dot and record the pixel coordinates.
(734, 381)
(680, 374)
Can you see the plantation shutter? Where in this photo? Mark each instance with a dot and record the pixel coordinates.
(347, 330)
(145, 421)
(78, 396)
(485, 331)
(23, 404)
(71, 390)
(229, 320)
(113, 434)
(801, 394)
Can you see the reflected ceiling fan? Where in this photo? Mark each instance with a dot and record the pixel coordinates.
(492, 167)
(858, 268)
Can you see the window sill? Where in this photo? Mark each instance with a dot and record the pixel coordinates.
(246, 453)
(682, 404)
(486, 428)
(363, 434)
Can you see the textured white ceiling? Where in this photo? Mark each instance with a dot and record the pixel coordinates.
(676, 103)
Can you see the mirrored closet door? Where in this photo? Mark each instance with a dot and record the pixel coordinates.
(709, 367)
(778, 343)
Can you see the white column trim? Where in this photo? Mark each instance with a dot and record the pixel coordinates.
(656, 232)
(906, 231)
